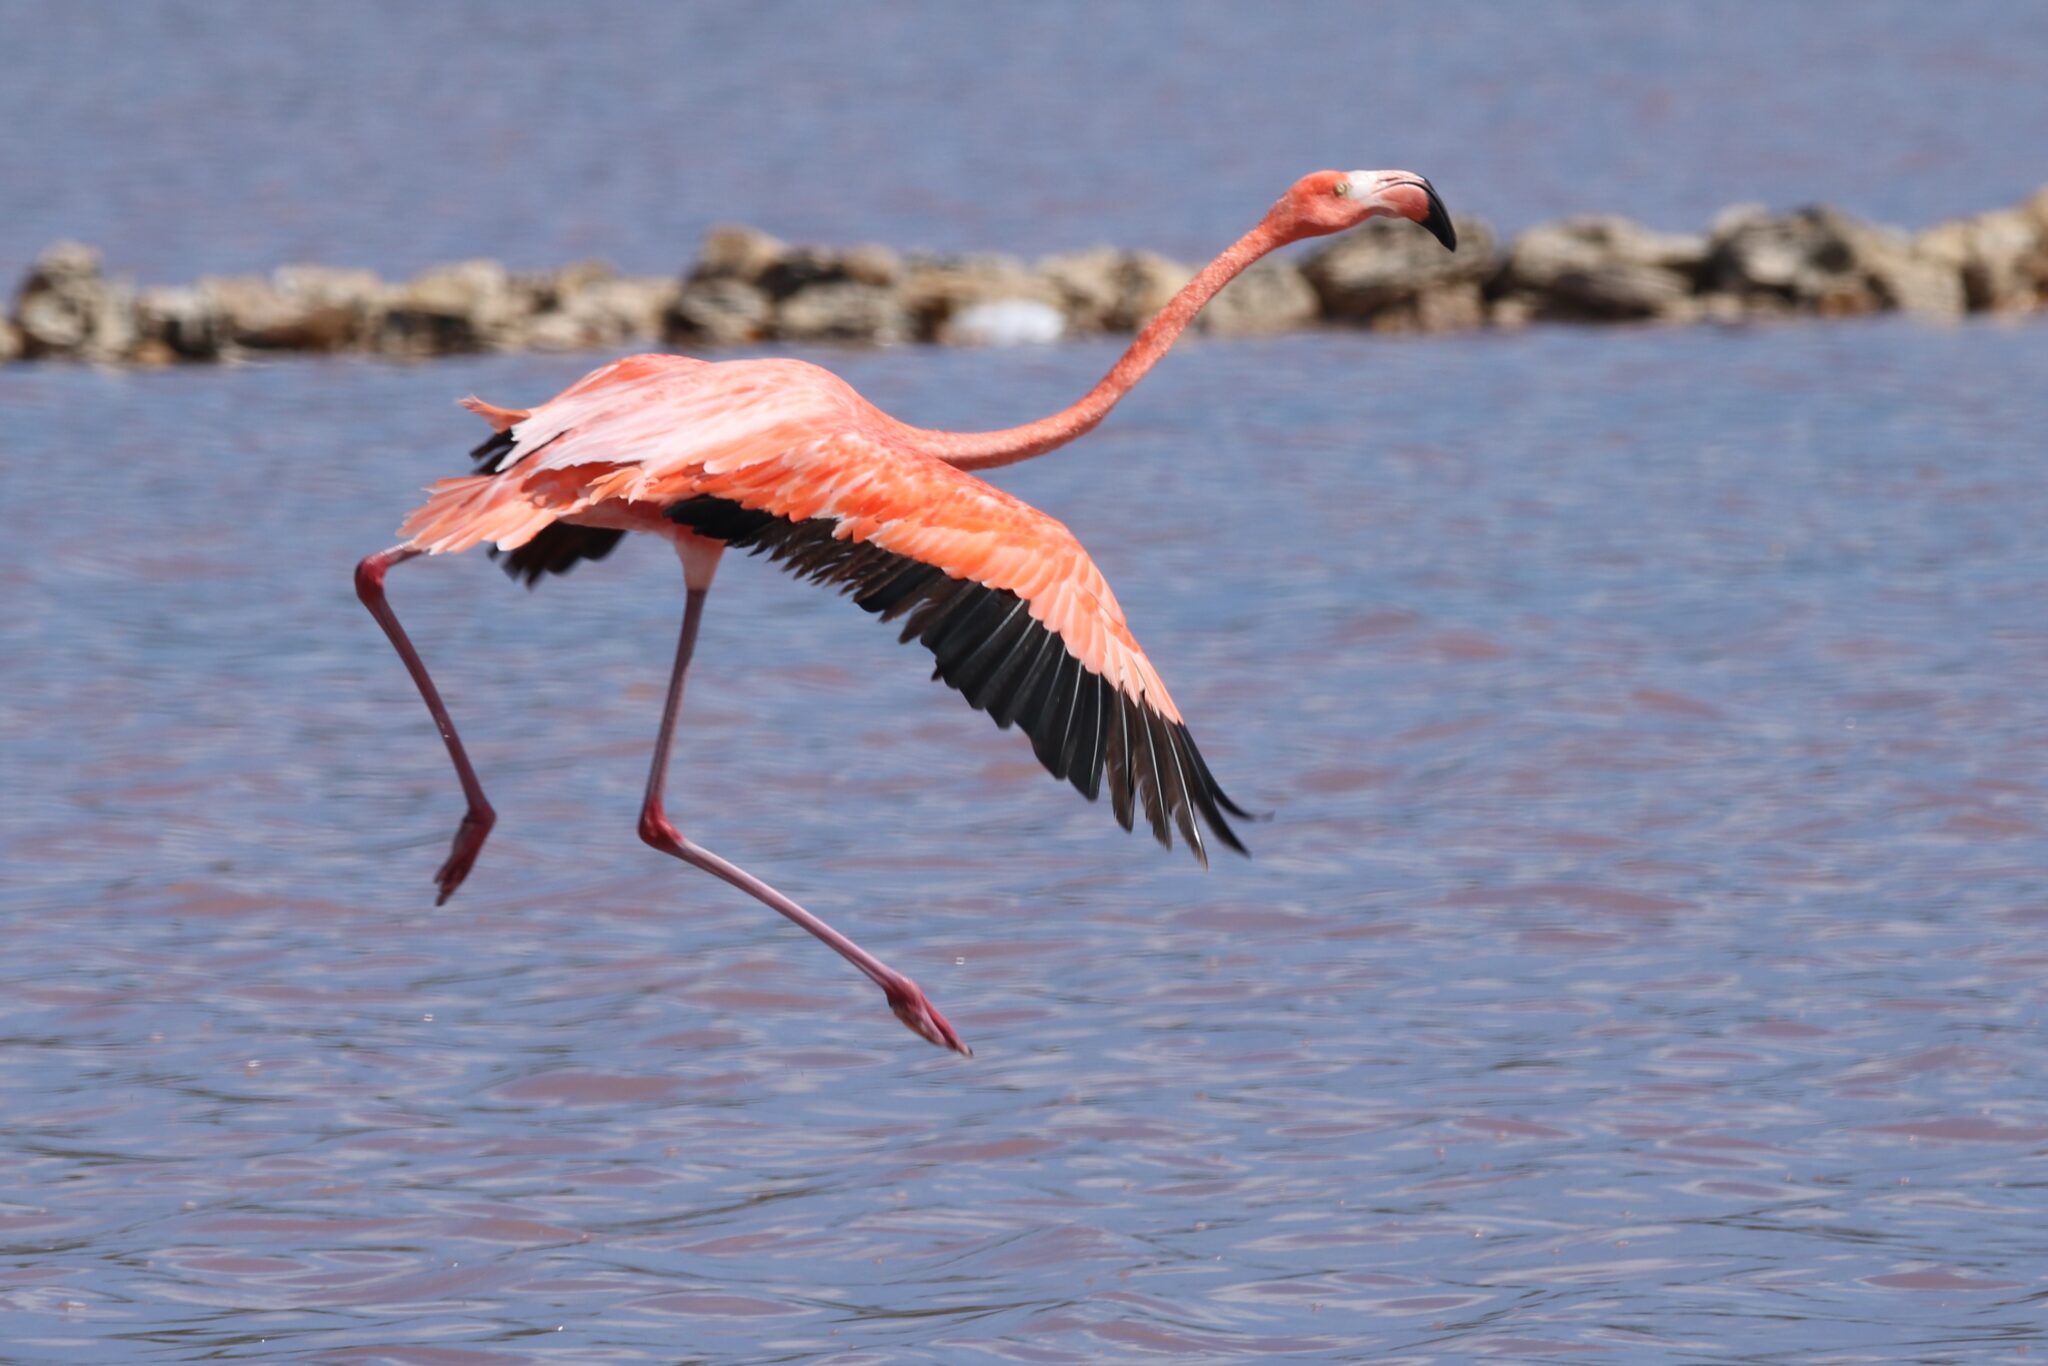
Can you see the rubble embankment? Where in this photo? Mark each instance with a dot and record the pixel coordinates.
(746, 287)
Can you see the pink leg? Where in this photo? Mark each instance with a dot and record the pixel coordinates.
(905, 999)
(477, 822)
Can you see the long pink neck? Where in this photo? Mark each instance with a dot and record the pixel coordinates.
(984, 450)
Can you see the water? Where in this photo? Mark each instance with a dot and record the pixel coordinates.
(1643, 962)
(232, 135)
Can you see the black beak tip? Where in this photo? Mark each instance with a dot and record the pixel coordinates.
(1438, 224)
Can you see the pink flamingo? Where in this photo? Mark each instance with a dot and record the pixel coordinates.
(784, 458)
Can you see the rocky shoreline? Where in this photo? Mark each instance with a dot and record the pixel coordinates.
(746, 287)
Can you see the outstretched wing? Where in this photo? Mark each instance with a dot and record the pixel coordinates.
(556, 548)
(784, 458)
(1055, 660)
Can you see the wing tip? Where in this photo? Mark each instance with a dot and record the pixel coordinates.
(501, 419)
(1086, 731)
(1207, 793)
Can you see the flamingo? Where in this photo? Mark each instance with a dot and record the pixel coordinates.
(783, 458)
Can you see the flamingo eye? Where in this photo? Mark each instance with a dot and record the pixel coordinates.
(1341, 188)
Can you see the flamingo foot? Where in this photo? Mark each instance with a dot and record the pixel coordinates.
(469, 842)
(921, 1017)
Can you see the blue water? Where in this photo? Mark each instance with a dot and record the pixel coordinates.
(1643, 959)
(230, 135)
(1643, 962)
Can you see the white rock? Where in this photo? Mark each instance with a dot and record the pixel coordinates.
(1005, 322)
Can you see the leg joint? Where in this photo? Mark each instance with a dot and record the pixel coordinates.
(371, 571)
(657, 832)
(370, 577)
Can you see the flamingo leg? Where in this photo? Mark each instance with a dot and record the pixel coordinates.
(909, 1003)
(478, 820)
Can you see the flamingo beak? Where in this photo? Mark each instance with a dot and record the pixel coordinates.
(1437, 223)
(1404, 194)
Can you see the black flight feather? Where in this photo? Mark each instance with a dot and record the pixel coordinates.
(987, 646)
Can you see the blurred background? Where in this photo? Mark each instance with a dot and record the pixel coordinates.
(1642, 963)
(184, 139)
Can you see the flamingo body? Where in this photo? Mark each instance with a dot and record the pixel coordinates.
(1017, 614)
(783, 458)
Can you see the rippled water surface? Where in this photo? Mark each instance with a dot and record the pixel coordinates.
(231, 135)
(1645, 959)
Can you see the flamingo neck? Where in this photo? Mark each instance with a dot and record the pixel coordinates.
(985, 450)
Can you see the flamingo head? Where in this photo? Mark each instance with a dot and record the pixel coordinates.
(1331, 201)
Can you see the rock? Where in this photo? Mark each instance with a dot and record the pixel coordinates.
(1618, 291)
(2035, 267)
(799, 268)
(2001, 257)
(1515, 310)
(607, 312)
(1539, 255)
(750, 257)
(64, 266)
(1820, 260)
(842, 310)
(178, 319)
(469, 306)
(1454, 307)
(578, 276)
(251, 310)
(1087, 286)
(871, 265)
(185, 320)
(733, 252)
(747, 286)
(1146, 283)
(1725, 309)
(340, 308)
(1601, 269)
(256, 314)
(1273, 296)
(1005, 322)
(150, 351)
(67, 308)
(543, 292)
(934, 289)
(1107, 290)
(557, 331)
(1393, 276)
(718, 312)
(1914, 284)
(299, 308)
